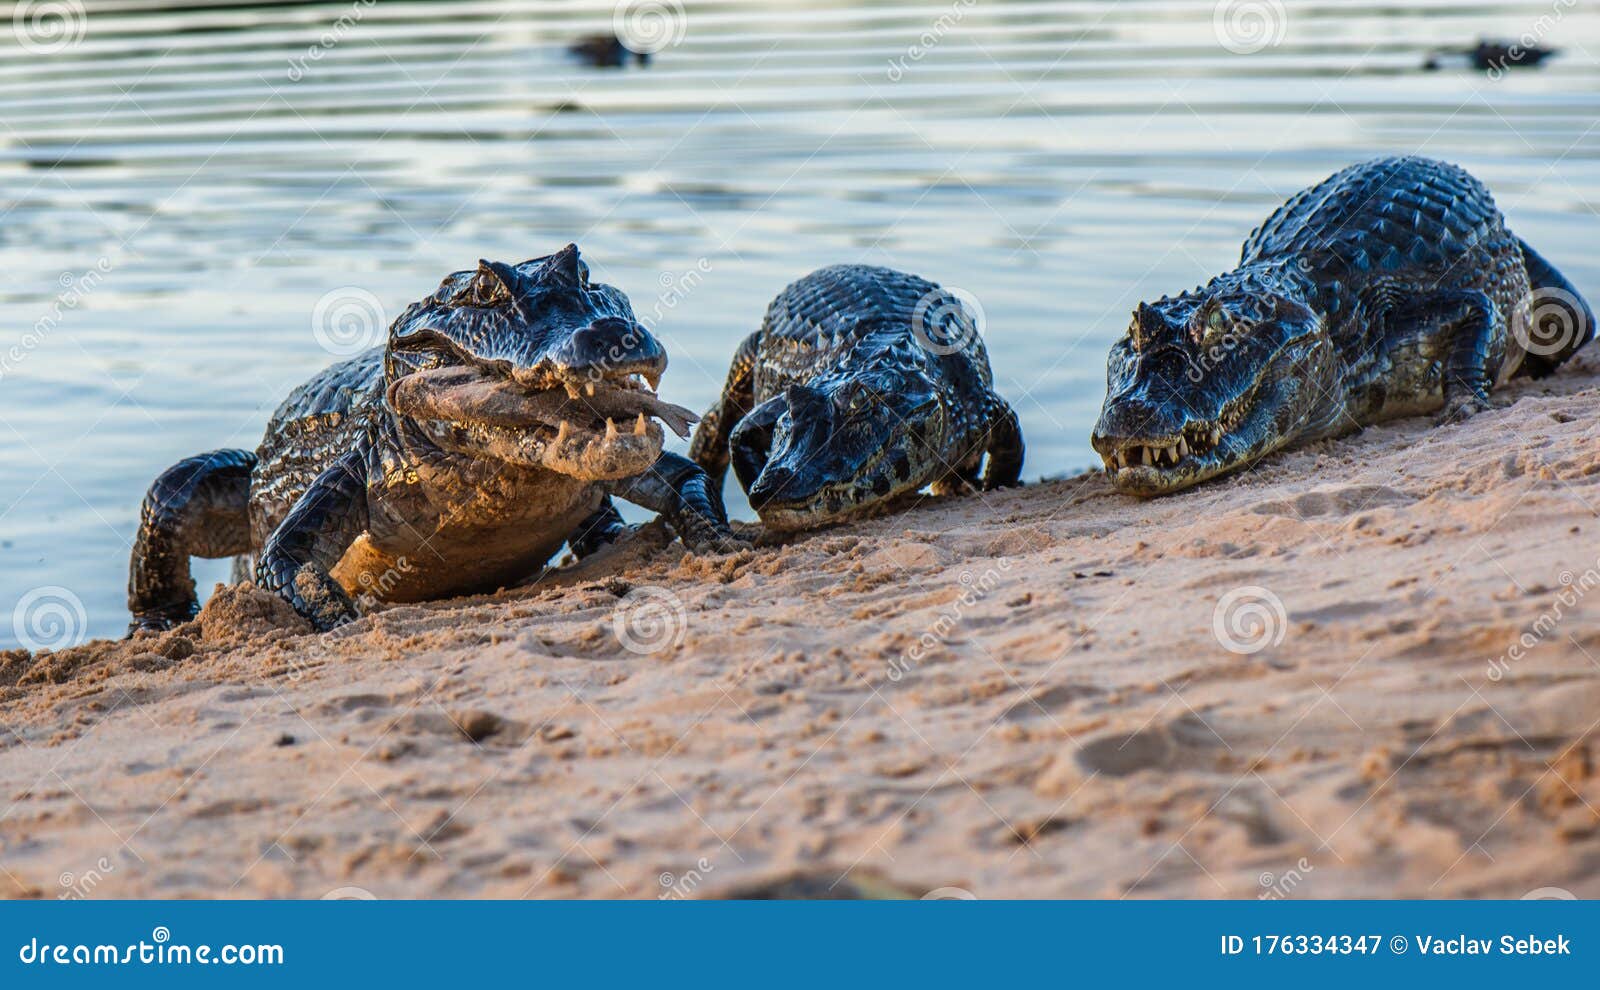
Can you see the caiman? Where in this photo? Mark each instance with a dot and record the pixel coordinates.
(495, 423)
(1392, 288)
(862, 385)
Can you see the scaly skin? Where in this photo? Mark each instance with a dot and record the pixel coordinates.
(1390, 289)
(493, 426)
(862, 385)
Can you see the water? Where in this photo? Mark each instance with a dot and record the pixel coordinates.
(188, 190)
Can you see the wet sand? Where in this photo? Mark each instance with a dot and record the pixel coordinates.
(1368, 668)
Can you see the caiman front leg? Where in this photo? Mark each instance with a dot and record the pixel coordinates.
(1005, 449)
(709, 448)
(298, 556)
(1001, 441)
(751, 441)
(199, 507)
(603, 527)
(677, 489)
(1471, 330)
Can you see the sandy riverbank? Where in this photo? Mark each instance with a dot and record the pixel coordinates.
(1019, 695)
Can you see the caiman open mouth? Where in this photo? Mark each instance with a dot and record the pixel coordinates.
(1196, 441)
(1202, 449)
(1242, 432)
(602, 427)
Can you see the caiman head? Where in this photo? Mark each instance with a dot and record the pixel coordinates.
(841, 445)
(535, 366)
(1212, 380)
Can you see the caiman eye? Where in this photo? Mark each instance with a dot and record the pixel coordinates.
(1216, 325)
(485, 291)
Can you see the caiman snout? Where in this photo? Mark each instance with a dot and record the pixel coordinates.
(770, 486)
(611, 347)
(1134, 420)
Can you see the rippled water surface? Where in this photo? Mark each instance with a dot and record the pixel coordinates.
(189, 190)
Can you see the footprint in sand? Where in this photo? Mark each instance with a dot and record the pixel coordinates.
(1334, 502)
(1122, 754)
(1187, 740)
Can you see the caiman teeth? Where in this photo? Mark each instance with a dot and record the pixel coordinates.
(611, 428)
(562, 431)
(589, 390)
(640, 426)
(572, 390)
(1151, 455)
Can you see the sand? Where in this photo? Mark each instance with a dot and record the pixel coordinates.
(1367, 668)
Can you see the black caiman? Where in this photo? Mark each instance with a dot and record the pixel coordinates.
(494, 424)
(863, 384)
(1392, 288)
